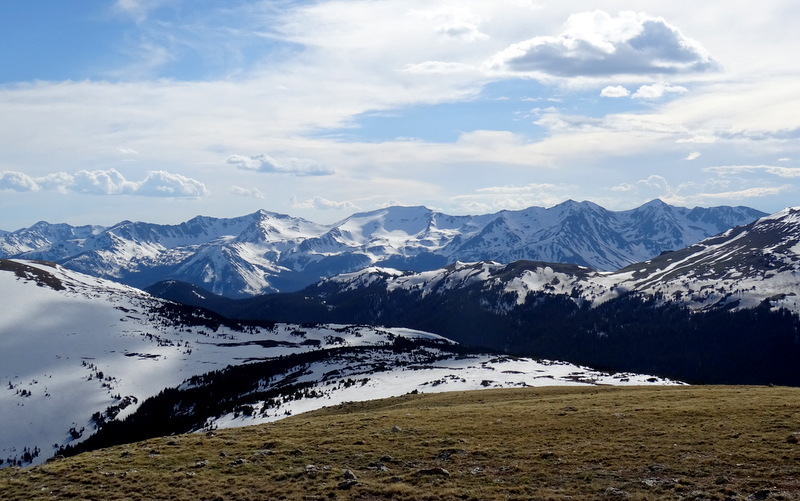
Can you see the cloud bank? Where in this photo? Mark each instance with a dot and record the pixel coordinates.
(267, 164)
(106, 182)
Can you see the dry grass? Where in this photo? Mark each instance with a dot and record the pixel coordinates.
(541, 443)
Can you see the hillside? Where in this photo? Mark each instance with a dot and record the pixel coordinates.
(80, 354)
(267, 252)
(535, 443)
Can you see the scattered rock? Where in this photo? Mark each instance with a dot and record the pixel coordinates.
(349, 475)
(377, 466)
(433, 472)
(311, 468)
(721, 480)
(387, 459)
(447, 454)
(237, 462)
(346, 484)
(359, 442)
(396, 429)
(263, 452)
(613, 492)
(201, 464)
(758, 496)
(223, 454)
(548, 455)
(570, 408)
(792, 439)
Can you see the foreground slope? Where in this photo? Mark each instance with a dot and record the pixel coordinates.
(726, 443)
(78, 353)
(268, 252)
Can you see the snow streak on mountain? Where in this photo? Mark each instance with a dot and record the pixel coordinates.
(267, 252)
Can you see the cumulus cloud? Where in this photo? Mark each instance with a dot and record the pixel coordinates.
(166, 184)
(106, 182)
(101, 182)
(247, 192)
(615, 91)
(599, 44)
(693, 155)
(267, 164)
(321, 203)
(17, 181)
(658, 90)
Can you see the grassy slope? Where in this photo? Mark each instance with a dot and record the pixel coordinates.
(538, 443)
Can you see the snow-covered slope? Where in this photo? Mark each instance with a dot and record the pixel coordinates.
(268, 252)
(740, 268)
(76, 350)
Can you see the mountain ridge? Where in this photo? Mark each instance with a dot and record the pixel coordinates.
(270, 252)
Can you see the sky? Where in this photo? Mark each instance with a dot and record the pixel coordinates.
(161, 110)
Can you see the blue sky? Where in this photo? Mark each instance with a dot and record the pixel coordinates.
(159, 110)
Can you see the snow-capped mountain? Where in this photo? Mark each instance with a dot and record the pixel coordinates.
(78, 352)
(741, 268)
(267, 252)
(724, 310)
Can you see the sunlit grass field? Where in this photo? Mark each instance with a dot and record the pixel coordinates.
(698, 442)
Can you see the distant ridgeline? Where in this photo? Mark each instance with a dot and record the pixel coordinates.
(266, 252)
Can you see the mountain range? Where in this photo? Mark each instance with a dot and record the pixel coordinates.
(724, 310)
(267, 252)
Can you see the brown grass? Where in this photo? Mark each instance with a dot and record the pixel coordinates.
(540, 443)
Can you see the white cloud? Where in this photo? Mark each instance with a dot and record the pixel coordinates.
(267, 164)
(624, 187)
(321, 203)
(732, 170)
(137, 9)
(693, 155)
(247, 192)
(615, 91)
(106, 182)
(512, 197)
(598, 44)
(440, 67)
(101, 182)
(658, 90)
(745, 193)
(17, 181)
(165, 184)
